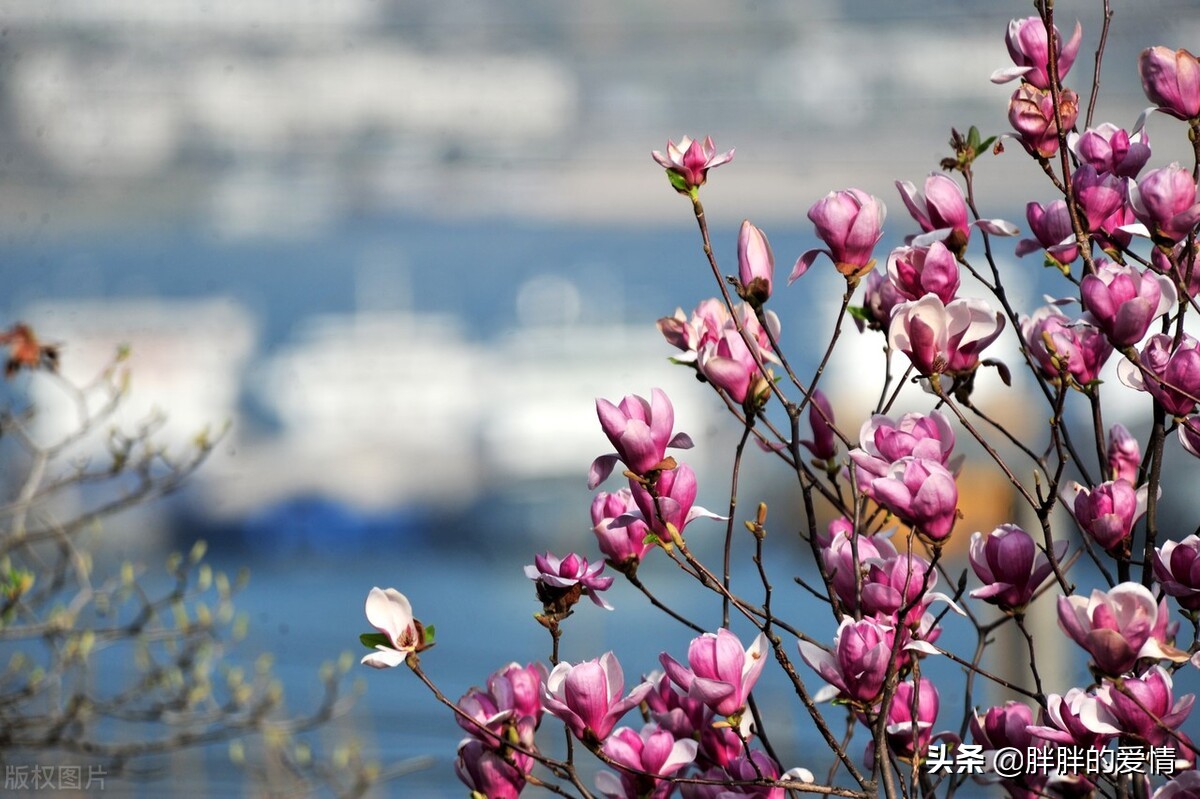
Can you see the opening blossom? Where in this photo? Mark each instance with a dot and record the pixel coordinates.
(1123, 301)
(488, 773)
(1177, 569)
(623, 544)
(1099, 195)
(722, 672)
(687, 163)
(676, 493)
(1109, 511)
(1174, 378)
(641, 432)
(917, 271)
(941, 337)
(1149, 712)
(858, 664)
(883, 441)
(1110, 149)
(1029, 48)
(560, 582)
(510, 708)
(1052, 231)
(850, 223)
(1031, 112)
(390, 612)
(941, 211)
(653, 751)
(1119, 627)
(1064, 720)
(587, 696)
(1060, 345)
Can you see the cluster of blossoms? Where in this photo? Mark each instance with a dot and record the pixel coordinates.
(699, 729)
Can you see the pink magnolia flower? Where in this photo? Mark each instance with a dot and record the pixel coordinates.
(1189, 434)
(1183, 268)
(675, 712)
(917, 271)
(1116, 232)
(689, 333)
(1177, 569)
(922, 493)
(1004, 726)
(1059, 344)
(1052, 230)
(1124, 454)
(1146, 709)
(1109, 511)
(732, 366)
(1171, 80)
(892, 582)
(720, 745)
(1031, 112)
(745, 769)
(487, 773)
(944, 338)
(390, 612)
(880, 296)
(823, 445)
(941, 211)
(858, 664)
(709, 323)
(1009, 726)
(687, 163)
(909, 733)
(512, 704)
(676, 493)
(1111, 149)
(722, 672)
(1165, 201)
(1186, 785)
(850, 222)
(1010, 566)
(587, 696)
(840, 564)
(1174, 378)
(640, 431)
(756, 263)
(555, 577)
(1065, 724)
(1029, 47)
(883, 441)
(652, 751)
(1098, 195)
(622, 544)
(1119, 627)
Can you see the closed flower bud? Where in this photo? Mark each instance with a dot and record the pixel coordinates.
(756, 264)
(1171, 80)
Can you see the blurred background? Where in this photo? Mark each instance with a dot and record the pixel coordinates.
(395, 249)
